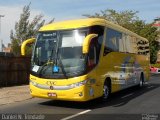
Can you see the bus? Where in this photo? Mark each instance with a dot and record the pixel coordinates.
(84, 59)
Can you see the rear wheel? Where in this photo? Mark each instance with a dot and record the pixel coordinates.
(141, 82)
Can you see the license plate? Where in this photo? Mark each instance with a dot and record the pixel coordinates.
(52, 94)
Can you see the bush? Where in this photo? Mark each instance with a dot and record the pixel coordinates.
(156, 65)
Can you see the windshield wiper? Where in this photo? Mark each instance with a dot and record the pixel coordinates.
(62, 67)
(58, 59)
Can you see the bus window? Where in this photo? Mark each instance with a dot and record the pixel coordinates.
(98, 41)
(122, 44)
(113, 39)
(129, 44)
(92, 56)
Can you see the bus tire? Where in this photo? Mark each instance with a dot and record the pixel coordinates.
(141, 81)
(106, 90)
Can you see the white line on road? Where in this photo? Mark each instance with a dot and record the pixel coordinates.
(72, 116)
(127, 95)
(150, 86)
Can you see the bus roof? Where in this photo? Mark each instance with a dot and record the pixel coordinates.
(72, 24)
(81, 23)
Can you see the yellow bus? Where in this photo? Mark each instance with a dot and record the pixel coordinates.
(80, 60)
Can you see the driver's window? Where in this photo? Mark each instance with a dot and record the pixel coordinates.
(92, 56)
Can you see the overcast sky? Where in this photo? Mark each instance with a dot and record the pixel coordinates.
(71, 9)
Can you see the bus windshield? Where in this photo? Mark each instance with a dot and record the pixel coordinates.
(63, 49)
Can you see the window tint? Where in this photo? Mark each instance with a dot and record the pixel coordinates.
(113, 40)
(98, 40)
(92, 54)
(130, 44)
(122, 42)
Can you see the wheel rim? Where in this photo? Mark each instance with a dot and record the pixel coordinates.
(105, 92)
(141, 82)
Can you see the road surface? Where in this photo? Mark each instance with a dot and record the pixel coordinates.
(129, 104)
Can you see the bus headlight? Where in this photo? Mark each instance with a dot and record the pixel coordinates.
(33, 83)
(78, 84)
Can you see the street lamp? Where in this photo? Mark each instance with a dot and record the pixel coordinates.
(1, 49)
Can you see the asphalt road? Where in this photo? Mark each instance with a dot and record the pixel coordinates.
(129, 104)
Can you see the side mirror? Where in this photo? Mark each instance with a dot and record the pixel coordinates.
(86, 43)
(23, 46)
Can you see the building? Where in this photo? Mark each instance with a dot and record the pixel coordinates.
(7, 49)
(157, 24)
(1, 45)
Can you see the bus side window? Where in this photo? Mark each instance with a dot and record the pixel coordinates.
(92, 55)
(98, 40)
(112, 42)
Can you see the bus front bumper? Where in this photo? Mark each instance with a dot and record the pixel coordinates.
(81, 93)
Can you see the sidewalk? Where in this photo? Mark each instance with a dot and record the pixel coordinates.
(14, 94)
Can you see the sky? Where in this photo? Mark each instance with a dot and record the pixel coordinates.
(71, 9)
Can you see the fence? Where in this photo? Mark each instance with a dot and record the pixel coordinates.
(14, 70)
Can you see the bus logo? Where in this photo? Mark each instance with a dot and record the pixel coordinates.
(50, 83)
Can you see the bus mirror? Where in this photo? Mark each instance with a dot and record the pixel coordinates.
(86, 43)
(23, 46)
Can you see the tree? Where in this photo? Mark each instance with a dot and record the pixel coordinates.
(122, 18)
(129, 20)
(150, 33)
(25, 29)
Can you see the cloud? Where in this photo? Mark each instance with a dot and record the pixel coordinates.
(12, 14)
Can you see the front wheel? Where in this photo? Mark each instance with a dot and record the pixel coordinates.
(106, 91)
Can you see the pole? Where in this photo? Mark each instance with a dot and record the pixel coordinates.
(1, 47)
